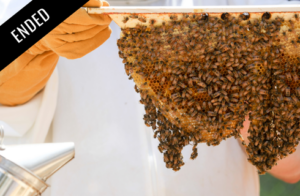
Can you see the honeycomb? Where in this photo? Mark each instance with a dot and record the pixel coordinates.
(200, 74)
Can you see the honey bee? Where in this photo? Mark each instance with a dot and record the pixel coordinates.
(125, 19)
(173, 17)
(190, 103)
(287, 91)
(186, 16)
(296, 17)
(277, 72)
(175, 95)
(205, 16)
(190, 82)
(295, 76)
(133, 16)
(292, 24)
(136, 89)
(184, 101)
(194, 155)
(142, 19)
(288, 76)
(297, 90)
(295, 99)
(225, 16)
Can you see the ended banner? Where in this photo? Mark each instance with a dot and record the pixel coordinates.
(31, 24)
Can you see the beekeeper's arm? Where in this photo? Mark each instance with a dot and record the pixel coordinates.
(78, 35)
(287, 169)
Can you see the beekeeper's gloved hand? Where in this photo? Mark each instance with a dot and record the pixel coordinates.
(78, 35)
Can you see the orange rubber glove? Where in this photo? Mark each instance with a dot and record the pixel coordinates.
(78, 35)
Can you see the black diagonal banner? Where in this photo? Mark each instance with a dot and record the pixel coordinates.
(31, 24)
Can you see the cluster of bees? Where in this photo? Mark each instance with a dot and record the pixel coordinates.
(200, 75)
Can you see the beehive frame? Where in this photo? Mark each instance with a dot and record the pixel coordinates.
(181, 119)
(161, 13)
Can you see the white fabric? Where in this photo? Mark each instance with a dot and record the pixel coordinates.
(30, 122)
(19, 119)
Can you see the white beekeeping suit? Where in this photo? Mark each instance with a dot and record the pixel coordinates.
(98, 109)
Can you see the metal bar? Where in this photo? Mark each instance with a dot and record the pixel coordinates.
(196, 9)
